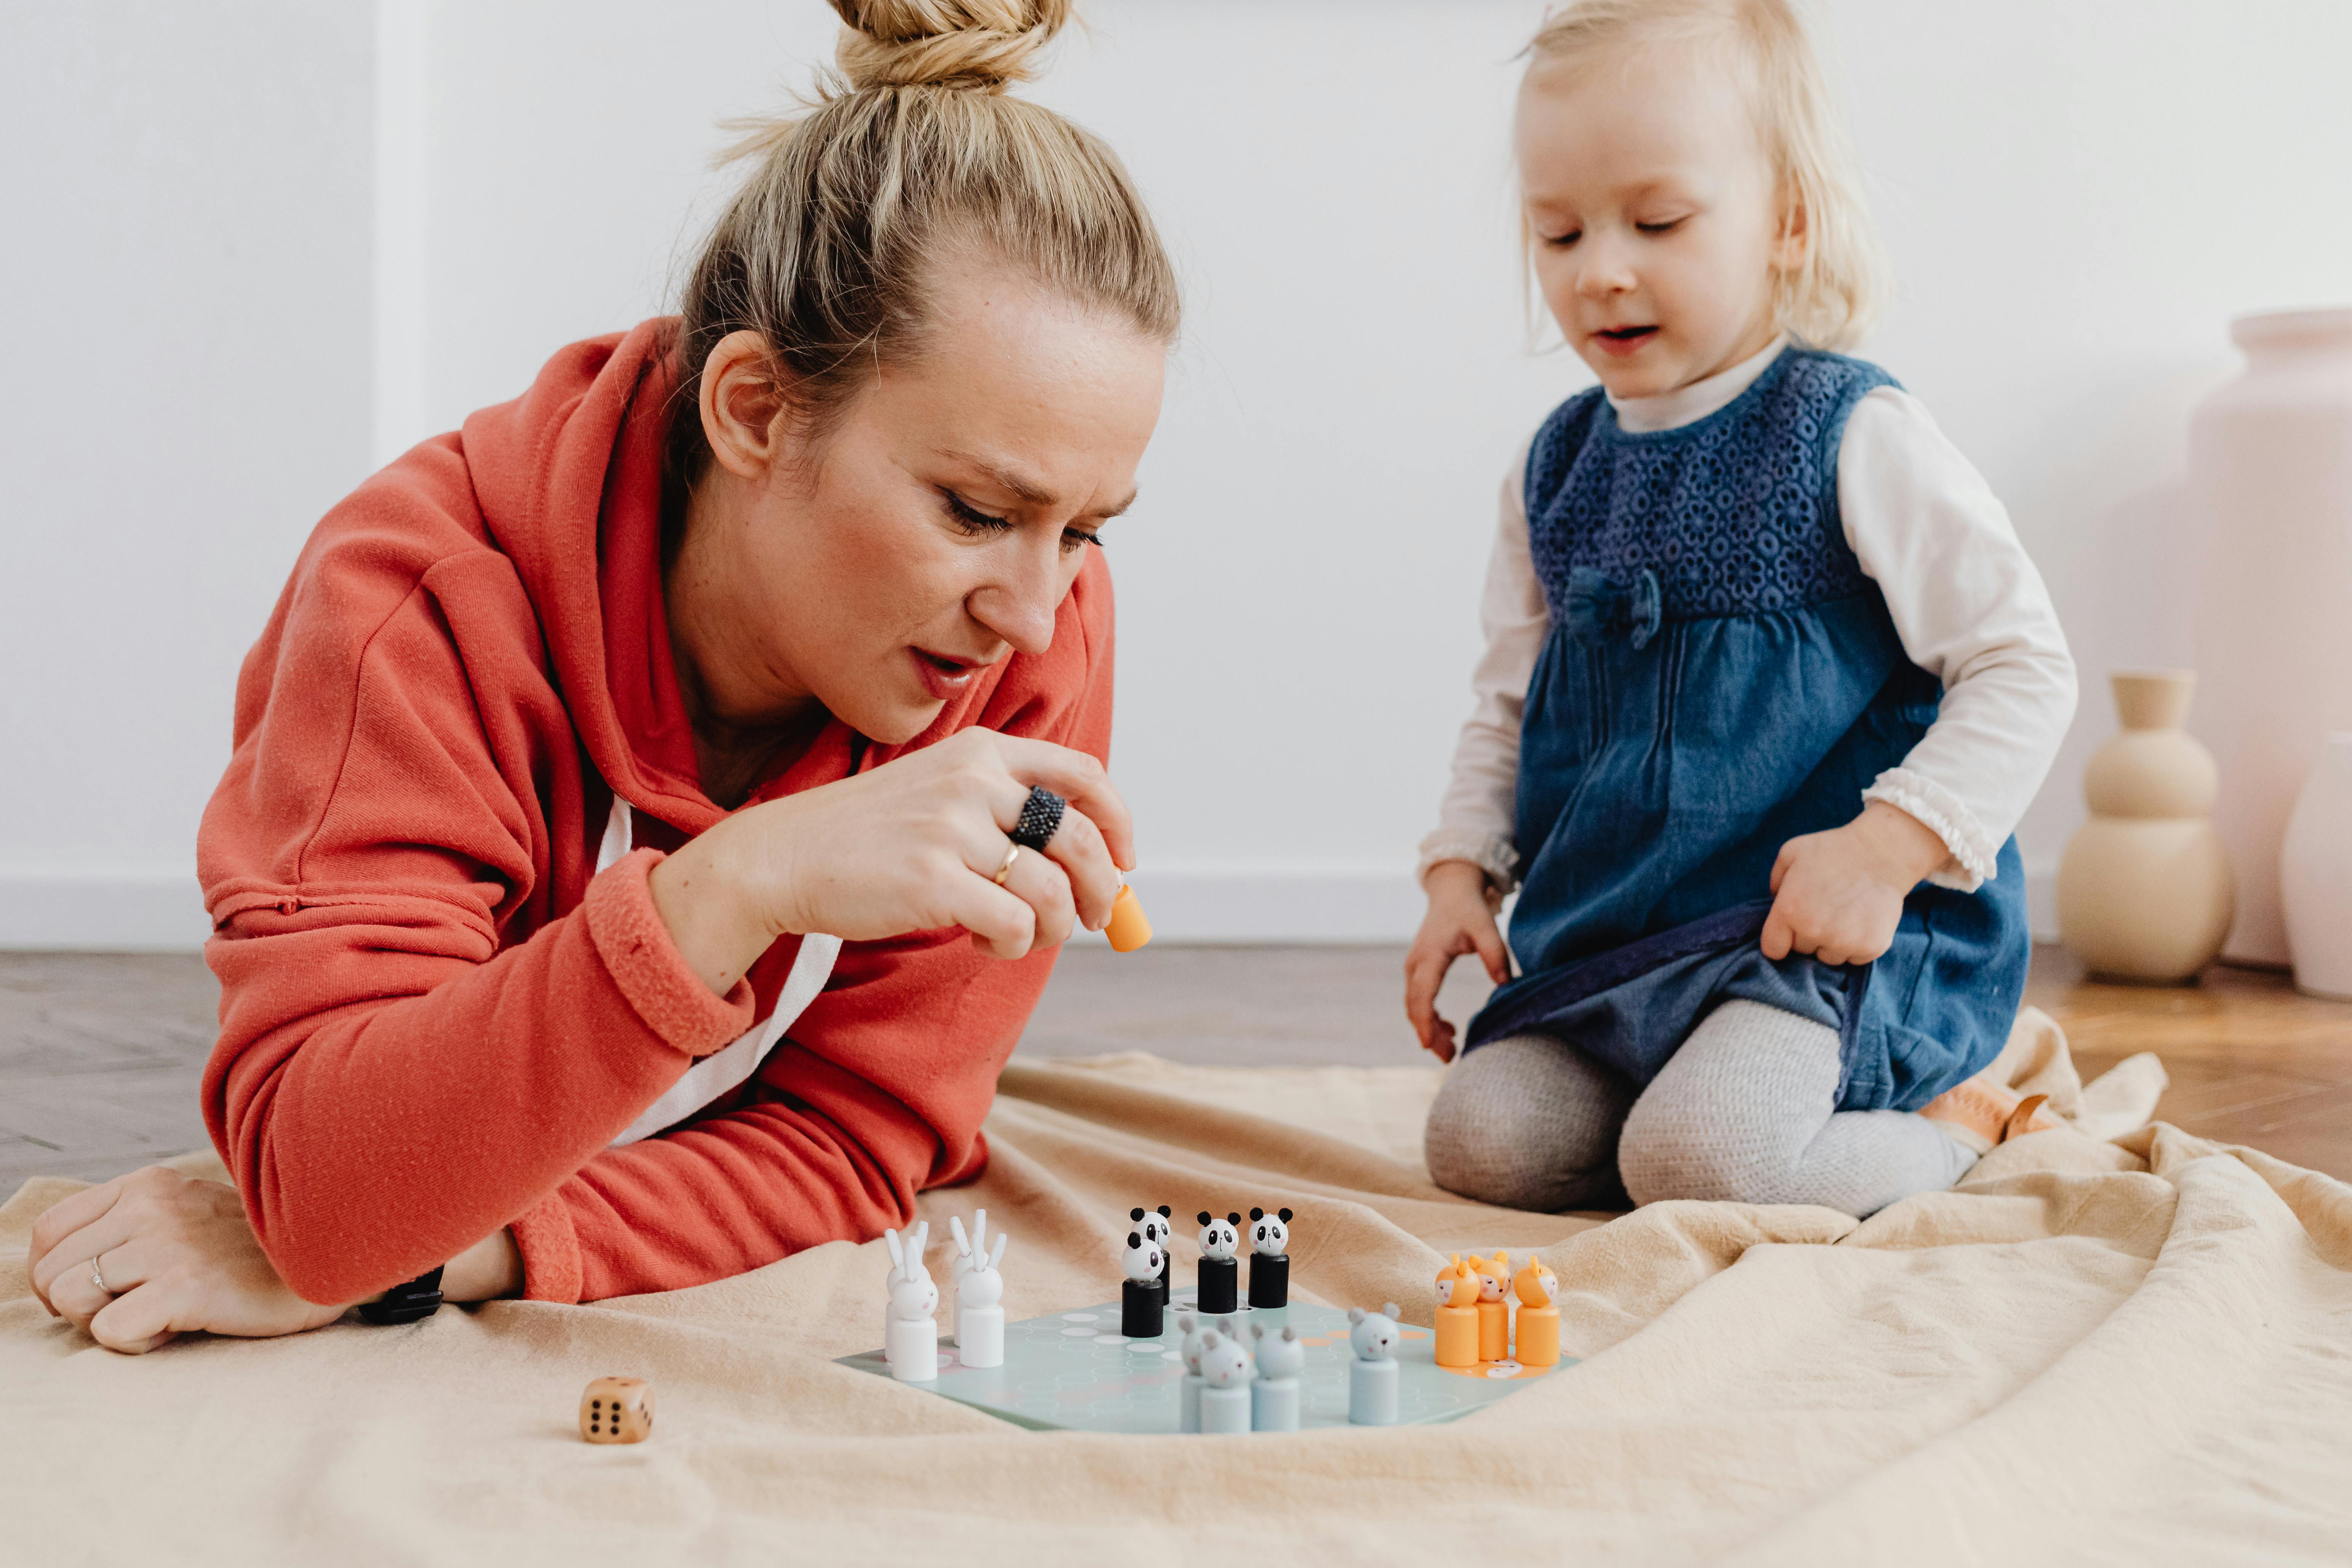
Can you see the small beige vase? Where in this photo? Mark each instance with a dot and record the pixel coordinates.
(2145, 893)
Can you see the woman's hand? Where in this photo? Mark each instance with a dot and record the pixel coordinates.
(914, 845)
(1839, 895)
(1459, 920)
(177, 1255)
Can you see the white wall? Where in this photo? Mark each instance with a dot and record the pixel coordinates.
(2077, 196)
(184, 295)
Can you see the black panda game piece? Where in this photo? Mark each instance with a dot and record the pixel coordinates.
(1138, 1298)
(1156, 1229)
(1269, 1263)
(1221, 1273)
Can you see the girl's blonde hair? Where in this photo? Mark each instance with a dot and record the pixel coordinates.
(1830, 299)
(909, 158)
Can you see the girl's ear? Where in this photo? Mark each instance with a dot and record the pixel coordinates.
(1795, 240)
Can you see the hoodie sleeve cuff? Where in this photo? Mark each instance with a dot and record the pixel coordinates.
(646, 965)
(550, 1251)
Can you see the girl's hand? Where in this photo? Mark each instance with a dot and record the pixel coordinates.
(1459, 921)
(914, 845)
(177, 1255)
(1839, 895)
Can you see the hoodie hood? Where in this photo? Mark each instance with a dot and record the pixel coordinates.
(568, 477)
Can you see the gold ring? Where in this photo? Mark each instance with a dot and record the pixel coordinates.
(1011, 853)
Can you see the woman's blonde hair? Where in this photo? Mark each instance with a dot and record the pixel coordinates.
(1830, 299)
(909, 158)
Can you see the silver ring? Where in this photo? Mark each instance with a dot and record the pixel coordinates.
(98, 1278)
(1011, 853)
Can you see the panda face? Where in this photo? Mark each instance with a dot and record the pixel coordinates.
(1140, 1258)
(1153, 1224)
(1269, 1233)
(1219, 1239)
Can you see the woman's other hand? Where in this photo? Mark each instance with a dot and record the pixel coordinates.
(914, 844)
(1459, 920)
(177, 1255)
(1839, 895)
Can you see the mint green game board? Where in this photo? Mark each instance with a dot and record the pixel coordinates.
(1075, 1372)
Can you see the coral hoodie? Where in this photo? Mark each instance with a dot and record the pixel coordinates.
(435, 1013)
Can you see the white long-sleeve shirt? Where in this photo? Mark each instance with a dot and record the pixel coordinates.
(1966, 601)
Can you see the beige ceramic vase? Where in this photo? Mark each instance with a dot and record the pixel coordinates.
(2145, 893)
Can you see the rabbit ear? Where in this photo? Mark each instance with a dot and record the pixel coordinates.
(921, 1243)
(897, 1252)
(979, 1229)
(997, 1257)
(963, 1246)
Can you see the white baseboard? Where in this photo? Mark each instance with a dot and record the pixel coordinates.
(1210, 904)
(1202, 904)
(130, 910)
(2042, 899)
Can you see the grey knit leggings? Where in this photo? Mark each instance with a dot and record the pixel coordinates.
(1743, 1112)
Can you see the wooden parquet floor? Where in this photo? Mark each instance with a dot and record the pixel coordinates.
(99, 1054)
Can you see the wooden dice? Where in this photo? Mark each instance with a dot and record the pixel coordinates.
(617, 1410)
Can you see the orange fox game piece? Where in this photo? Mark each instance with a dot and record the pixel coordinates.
(1457, 1314)
(1539, 1320)
(1493, 1312)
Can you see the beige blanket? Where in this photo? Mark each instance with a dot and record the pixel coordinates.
(2136, 1351)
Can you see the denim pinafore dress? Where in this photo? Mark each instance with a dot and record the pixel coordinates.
(1721, 677)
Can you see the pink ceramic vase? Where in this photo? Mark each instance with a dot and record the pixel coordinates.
(2270, 472)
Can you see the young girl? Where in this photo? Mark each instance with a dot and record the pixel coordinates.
(1768, 680)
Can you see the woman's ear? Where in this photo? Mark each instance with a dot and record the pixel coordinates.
(741, 405)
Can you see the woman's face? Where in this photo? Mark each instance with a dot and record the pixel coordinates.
(931, 531)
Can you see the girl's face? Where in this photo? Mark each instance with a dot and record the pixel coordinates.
(934, 530)
(1657, 221)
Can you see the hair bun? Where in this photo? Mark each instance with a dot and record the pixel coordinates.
(977, 44)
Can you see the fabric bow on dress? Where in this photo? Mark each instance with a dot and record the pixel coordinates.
(1598, 606)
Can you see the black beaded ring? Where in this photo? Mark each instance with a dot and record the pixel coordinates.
(1041, 815)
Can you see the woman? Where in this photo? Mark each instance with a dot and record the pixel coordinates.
(697, 694)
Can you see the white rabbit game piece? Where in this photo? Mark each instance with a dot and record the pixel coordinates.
(1274, 1395)
(1225, 1378)
(911, 1340)
(1188, 1408)
(980, 1288)
(1372, 1372)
